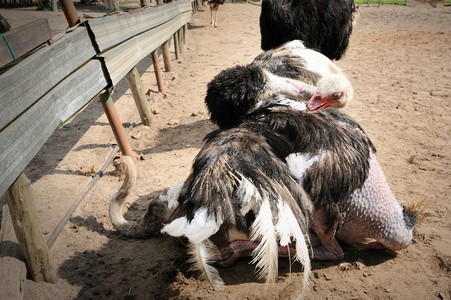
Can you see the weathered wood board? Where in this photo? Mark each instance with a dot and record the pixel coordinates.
(122, 58)
(23, 39)
(20, 142)
(113, 30)
(20, 88)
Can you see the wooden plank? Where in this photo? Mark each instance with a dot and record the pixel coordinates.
(28, 231)
(13, 270)
(122, 58)
(20, 88)
(20, 142)
(115, 29)
(23, 39)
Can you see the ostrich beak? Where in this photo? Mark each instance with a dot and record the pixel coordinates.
(318, 102)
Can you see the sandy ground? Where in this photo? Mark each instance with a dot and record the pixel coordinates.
(399, 63)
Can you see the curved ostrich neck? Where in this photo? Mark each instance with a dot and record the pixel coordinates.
(288, 87)
(115, 208)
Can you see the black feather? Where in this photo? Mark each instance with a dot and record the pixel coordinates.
(323, 25)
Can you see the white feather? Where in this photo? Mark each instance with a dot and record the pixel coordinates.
(298, 163)
(282, 227)
(176, 228)
(266, 253)
(202, 255)
(302, 254)
(296, 105)
(248, 194)
(201, 227)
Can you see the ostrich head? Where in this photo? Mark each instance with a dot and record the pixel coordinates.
(333, 91)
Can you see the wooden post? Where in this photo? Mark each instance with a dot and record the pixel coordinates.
(112, 5)
(176, 45)
(157, 70)
(13, 271)
(181, 44)
(54, 5)
(166, 57)
(28, 232)
(137, 88)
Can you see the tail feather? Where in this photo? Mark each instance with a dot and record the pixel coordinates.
(247, 193)
(302, 254)
(200, 228)
(202, 256)
(266, 254)
(414, 211)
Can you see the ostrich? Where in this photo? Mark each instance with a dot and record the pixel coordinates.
(257, 188)
(214, 6)
(291, 70)
(323, 25)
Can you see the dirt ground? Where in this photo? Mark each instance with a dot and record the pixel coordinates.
(399, 64)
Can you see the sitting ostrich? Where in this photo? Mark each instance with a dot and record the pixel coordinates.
(258, 188)
(214, 6)
(323, 25)
(292, 70)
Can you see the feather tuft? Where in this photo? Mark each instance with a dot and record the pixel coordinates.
(248, 195)
(200, 228)
(414, 211)
(266, 253)
(202, 256)
(302, 254)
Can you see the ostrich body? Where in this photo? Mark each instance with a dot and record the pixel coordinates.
(252, 189)
(323, 25)
(291, 70)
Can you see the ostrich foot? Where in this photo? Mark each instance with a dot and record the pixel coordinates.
(241, 248)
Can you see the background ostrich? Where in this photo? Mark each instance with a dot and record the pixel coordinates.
(291, 70)
(323, 25)
(214, 6)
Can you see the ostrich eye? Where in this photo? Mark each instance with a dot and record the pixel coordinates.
(337, 95)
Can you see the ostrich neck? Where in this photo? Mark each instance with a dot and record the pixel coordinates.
(288, 87)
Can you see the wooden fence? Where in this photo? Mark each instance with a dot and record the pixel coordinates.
(44, 90)
(425, 3)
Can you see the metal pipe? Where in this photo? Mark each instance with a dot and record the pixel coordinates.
(145, 3)
(69, 12)
(115, 123)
